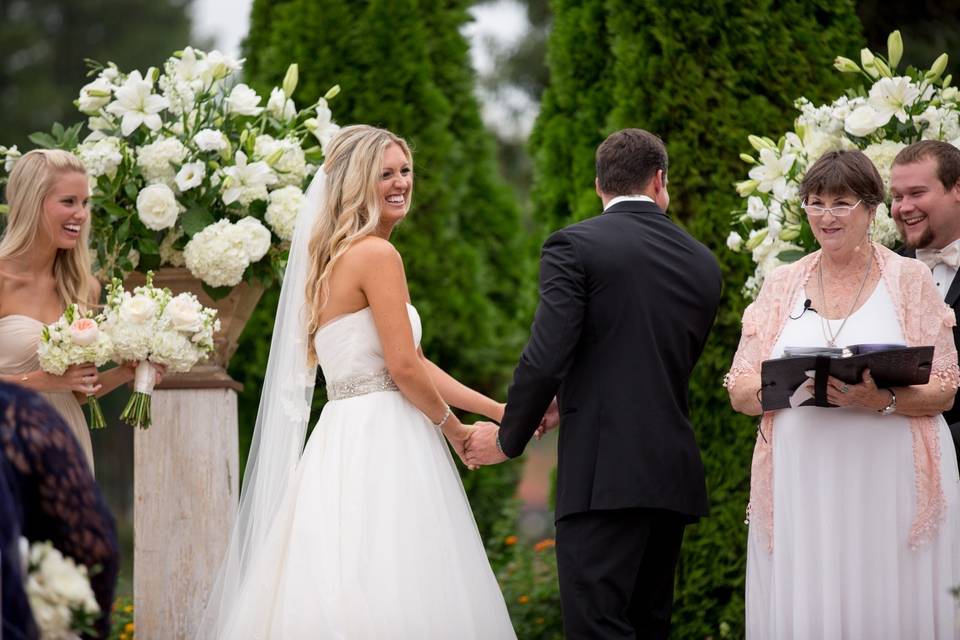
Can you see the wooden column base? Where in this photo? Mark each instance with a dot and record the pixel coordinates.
(186, 469)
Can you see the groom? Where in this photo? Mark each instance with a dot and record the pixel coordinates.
(627, 299)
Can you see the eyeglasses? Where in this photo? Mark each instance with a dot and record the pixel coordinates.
(836, 212)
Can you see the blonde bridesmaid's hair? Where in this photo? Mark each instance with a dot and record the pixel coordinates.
(351, 209)
(33, 177)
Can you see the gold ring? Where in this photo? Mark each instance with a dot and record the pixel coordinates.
(844, 388)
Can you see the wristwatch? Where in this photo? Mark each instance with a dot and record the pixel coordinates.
(890, 408)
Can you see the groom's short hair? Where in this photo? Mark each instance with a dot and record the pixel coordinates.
(627, 160)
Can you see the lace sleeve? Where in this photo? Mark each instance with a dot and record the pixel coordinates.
(61, 502)
(944, 348)
(759, 318)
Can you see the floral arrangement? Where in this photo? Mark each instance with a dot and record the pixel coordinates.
(58, 589)
(122, 626)
(151, 325)
(189, 169)
(892, 111)
(76, 339)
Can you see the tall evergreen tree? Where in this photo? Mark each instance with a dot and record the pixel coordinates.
(702, 75)
(404, 65)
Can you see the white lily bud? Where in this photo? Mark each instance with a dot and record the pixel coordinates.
(332, 92)
(290, 80)
(894, 49)
(939, 66)
(845, 65)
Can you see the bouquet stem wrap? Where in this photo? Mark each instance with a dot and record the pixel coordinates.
(137, 411)
(97, 420)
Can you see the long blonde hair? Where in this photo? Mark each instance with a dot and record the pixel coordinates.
(33, 177)
(351, 209)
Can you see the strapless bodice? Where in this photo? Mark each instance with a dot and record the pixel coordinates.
(19, 338)
(349, 345)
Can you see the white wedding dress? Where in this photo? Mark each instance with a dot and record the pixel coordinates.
(374, 538)
(844, 500)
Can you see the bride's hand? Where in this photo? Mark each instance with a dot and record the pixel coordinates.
(457, 435)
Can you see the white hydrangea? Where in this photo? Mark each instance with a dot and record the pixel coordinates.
(102, 157)
(284, 156)
(884, 229)
(941, 123)
(56, 587)
(159, 160)
(283, 209)
(882, 155)
(255, 237)
(217, 255)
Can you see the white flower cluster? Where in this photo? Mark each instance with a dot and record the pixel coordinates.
(895, 111)
(283, 210)
(58, 590)
(187, 144)
(76, 338)
(151, 324)
(220, 253)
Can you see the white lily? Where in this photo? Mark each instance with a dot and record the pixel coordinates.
(772, 170)
(243, 177)
(136, 104)
(891, 97)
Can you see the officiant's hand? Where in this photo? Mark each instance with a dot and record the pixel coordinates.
(550, 420)
(864, 394)
(482, 445)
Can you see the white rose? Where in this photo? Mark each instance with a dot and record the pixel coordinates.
(138, 309)
(191, 175)
(84, 332)
(243, 101)
(862, 121)
(158, 159)
(157, 207)
(211, 140)
(255, 237)
(183, 312)
(734, 241)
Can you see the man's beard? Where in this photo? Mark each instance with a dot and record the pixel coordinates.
(920, 243)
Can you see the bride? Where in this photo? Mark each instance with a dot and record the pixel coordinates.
(367, 533)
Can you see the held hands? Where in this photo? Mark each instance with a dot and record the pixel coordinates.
(550, 420)
(482, 447)
(864, 394)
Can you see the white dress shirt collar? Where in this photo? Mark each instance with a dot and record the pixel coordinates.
(637, 198)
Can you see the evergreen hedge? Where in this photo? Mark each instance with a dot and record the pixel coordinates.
(404, 65)
(702, 74)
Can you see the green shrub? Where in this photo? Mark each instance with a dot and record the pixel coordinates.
(702, 75)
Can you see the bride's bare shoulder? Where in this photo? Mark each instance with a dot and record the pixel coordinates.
(372, 252)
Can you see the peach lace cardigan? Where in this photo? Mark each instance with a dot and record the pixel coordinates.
(924, 319)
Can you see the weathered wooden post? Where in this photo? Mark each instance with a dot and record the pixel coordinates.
(186, 476)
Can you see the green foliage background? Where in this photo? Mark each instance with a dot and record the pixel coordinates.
(702, 75)
(404, 65)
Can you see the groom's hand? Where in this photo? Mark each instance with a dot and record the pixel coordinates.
(482, 447)
(549, 421)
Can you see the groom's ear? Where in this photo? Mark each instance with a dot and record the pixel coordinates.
(596, 187)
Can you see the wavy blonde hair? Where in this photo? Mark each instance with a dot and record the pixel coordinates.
(31, 181)
(351, 210)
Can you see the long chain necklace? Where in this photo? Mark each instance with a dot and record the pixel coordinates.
(829, 335)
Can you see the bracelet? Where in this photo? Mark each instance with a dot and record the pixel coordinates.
(499, 445)
(443, 420)
(24, 377)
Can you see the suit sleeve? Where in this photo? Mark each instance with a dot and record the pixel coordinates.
(554, 337)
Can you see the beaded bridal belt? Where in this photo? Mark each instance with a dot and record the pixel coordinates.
(361, 385)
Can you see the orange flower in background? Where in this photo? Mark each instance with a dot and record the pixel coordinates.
(547, 543)
(510, 540)
(129, 627)
(524, 599)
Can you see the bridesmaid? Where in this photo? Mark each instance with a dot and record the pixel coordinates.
(45, 265)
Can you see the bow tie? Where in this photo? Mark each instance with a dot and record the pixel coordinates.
(949, 255)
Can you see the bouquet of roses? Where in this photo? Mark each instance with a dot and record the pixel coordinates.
(76, 338)
(151, 325)
(59, 592)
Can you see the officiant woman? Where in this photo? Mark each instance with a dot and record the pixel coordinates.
(853, 523)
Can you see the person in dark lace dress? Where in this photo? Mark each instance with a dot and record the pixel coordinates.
(47, 493)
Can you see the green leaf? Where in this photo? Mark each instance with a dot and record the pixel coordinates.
(57, 130)
(123, 230)
(196, 220)
(149, 246)
(130, 188)
(217, 293)
(115, 210)
(149, 262)
(790, 255)
(44, 140)
(258, 208)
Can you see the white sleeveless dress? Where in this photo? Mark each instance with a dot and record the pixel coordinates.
(375, 538)
(844, 501)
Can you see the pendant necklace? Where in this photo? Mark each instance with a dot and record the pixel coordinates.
(828, 334)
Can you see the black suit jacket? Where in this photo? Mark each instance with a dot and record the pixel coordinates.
(953, 300)
(627, 300)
